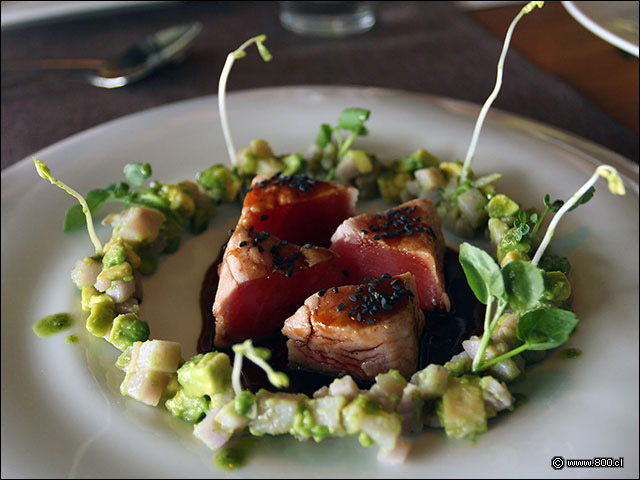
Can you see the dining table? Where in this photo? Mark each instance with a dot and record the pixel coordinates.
(557, 72)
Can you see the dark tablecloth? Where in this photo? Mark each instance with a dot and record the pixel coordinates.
(426, 47)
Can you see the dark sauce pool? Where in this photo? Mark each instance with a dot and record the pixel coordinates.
(442, 338)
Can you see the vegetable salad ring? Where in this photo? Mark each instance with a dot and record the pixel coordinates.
(527, 293)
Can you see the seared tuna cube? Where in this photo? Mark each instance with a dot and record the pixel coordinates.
(360, 330)
(296, 208)
(407, 238)
(263, 280)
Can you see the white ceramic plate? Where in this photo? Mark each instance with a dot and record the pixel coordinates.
(614, 22)
(63, 415)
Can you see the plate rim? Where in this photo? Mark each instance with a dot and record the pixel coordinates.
(588, 151)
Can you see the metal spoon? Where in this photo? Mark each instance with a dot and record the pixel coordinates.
(132, 64)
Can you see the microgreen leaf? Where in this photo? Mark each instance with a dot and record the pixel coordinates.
(581, 196)
(222, 87)
(545, 328)
(324, 135)
(482, 272)
(353, 119)
(75, 218)
(259, 356)
(524, 284)
(44, 172)
(485, 108)
(137, 173)
(555, 263)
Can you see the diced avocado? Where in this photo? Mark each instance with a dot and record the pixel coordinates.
(269, 166)
(276, 412)
(458, 367)
(114, 255)
(179, 200)
(360, 159)
(260, 148)
(88, 293)
(418, 160)
(247, 162)
(512, 242)
(121, 271)
(221, 183)
(391, 185)
(191, 409)
(431, 381)
(124, 358)
(303, 423)
(199, 222)
(206, 374)
(103, 311)
(556, 287)
(245, 403)
(364, 415)
(451, 169)
(461, 410)
(501, 206)
(294, 164)
(126, 330)
(365, 440)
(511, 256)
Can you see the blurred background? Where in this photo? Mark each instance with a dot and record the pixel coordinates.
(558, 71)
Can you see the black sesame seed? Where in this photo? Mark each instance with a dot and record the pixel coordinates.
(359, 317)
(377, 237)
(263, 217)
(307, 245)
(386, 275)
(251, 228)
(364, 231)
(290, 271)
(374, 228)
(260, 248)
(284, 243)
(353, 298)
(378, 216)
(360, 289)
(345, 273)
(341, 306)
(367, 279)
(243, 243)
(335, 289)
(322, 292)
(229, 233)
(370, 321)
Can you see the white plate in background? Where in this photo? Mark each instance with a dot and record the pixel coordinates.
(614, 22)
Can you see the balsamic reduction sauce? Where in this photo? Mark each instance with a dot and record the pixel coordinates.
(442, 337)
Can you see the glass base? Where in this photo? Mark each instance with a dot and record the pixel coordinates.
(360, 19)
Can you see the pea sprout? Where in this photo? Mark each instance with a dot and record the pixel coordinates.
(487, 104)
(44, 171)
(616, 187)
(259, 356)
(222, 86)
